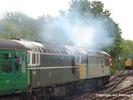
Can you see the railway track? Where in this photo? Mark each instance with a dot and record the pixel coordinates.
(122, 93)
(110, 92)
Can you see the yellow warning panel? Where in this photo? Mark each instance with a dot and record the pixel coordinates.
(81, 71)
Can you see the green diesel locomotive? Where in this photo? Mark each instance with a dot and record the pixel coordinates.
(50, 70)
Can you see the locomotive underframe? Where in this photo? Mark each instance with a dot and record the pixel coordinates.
(68, 90)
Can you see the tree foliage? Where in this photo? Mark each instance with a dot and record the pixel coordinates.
(86, 8)
(127, 48)
(18, 25)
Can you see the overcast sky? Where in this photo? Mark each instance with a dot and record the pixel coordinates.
(121, 10)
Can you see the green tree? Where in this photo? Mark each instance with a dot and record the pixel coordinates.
(82, 7)
(97, 9)
(86, 8)
(18, 25)
(127, 48)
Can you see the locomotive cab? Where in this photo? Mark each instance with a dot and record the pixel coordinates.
(13, 67)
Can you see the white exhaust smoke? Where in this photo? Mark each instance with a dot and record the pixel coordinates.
(84, 32)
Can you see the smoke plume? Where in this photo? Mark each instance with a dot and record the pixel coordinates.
(90, 32)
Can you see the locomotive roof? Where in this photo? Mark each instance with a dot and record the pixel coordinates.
(11, 45)
(56, 49)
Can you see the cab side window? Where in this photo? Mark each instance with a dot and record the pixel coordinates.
(20, 62)
(17, 63)
(6, 62)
